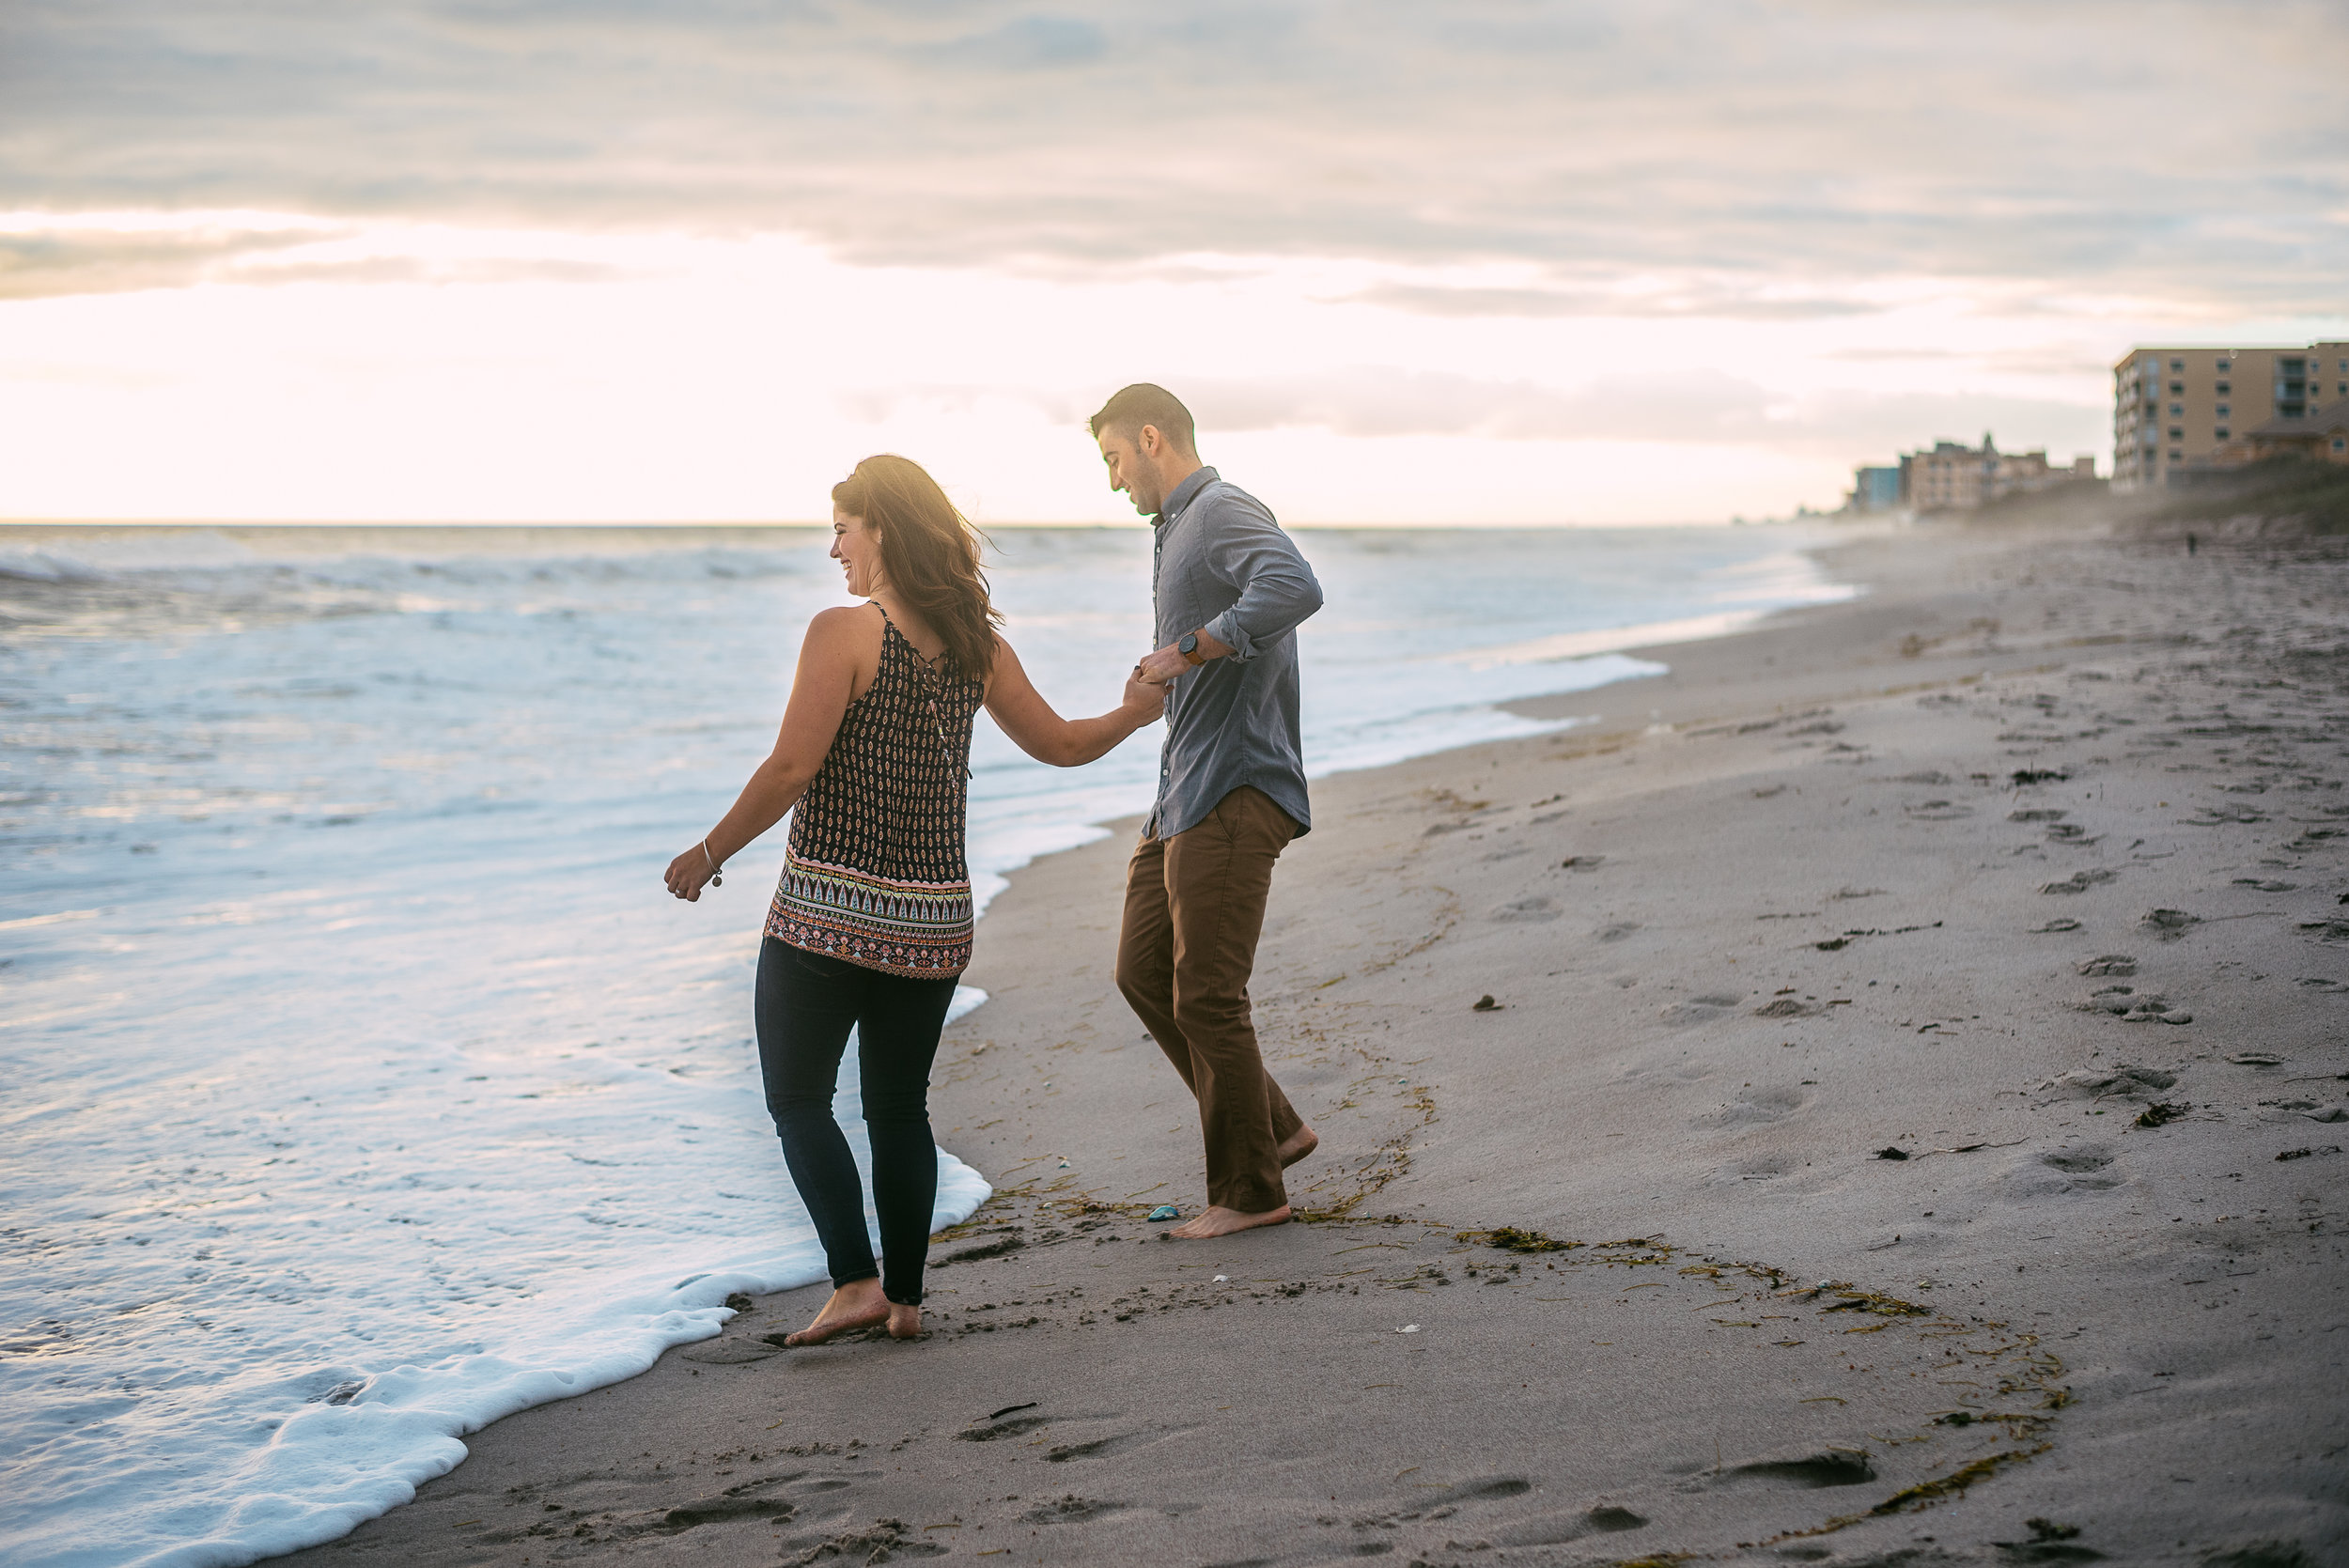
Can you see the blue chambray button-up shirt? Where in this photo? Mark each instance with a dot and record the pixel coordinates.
(1223, 565)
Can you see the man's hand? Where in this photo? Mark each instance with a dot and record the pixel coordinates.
(1167, 663)
(1158, 669)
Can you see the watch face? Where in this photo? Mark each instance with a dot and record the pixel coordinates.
(1190, 643)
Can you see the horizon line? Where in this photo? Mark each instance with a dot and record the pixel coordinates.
(1138, 523)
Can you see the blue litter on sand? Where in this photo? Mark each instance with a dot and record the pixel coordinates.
(1165, 1211)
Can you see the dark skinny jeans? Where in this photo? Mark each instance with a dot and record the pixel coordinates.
(807, 1002)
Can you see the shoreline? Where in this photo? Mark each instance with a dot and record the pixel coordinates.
(1729, 923)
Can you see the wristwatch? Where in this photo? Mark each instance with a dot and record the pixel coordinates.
(1188, 648)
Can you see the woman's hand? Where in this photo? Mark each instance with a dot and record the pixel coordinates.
(689, 873)
(1143, 701)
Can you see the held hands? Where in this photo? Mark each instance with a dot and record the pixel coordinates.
(689, 873)
(1161, 668)
(1142, 702)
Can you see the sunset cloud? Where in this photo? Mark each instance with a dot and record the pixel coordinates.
(1493, 260)
(2133, 148)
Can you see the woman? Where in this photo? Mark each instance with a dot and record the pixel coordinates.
(872, 920)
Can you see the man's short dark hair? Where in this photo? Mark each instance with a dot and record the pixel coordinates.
(1140, 404)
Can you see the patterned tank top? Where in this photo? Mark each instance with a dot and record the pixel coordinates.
(874, 870)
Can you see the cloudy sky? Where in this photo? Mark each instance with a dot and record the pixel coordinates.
(1486, 260)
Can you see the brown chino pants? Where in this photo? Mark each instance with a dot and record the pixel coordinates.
(1194, 907)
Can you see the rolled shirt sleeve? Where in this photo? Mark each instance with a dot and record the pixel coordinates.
(1277, 588)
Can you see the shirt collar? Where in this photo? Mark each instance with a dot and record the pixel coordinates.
(1200, 479)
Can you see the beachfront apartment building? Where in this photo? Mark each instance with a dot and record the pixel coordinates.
(1952, 477)
(2175, 407)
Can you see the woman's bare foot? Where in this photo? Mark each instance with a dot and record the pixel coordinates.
(905, 1323)
(857, 1304)
(1304, 1140)
(1222, 1221)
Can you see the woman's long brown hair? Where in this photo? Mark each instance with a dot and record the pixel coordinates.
(929, 555)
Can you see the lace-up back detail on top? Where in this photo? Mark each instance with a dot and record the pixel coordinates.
(874, 870)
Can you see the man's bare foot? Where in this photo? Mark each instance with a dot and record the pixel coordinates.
(1304, 1140)
(905, 1323)
(1219, 1221)
(857, 1304)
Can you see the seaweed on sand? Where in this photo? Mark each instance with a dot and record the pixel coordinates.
(1926, 1493)
(1872, 1301)
(1514, 1238)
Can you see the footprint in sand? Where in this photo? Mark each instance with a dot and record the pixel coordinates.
(1481, 1489)
(2060, 1173)
(1070, 1509)
(719, 1510)
(1616, 932)
(1696, 1010)
(1527, 909)
(884, 1540)
(1762, 1168)
(2167, 925)
(1060, 1454)
(2108, 964)
(2079, 881)
(990, 1431)
(1558, 1529)
(1754, 1108)
(1829, 1467)
(2125, 1081)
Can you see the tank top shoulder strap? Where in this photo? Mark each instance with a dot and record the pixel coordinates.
(890, 630)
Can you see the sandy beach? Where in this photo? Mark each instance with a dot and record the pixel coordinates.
(1878, 1090)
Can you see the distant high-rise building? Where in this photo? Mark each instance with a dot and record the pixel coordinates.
(2171, 407)
(1873, 489)
(1950, 477)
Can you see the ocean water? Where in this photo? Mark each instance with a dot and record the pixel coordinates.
(363, 1084)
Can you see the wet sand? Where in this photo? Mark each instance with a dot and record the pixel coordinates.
(1809, 1190)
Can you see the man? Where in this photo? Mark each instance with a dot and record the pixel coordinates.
(1228, 588)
